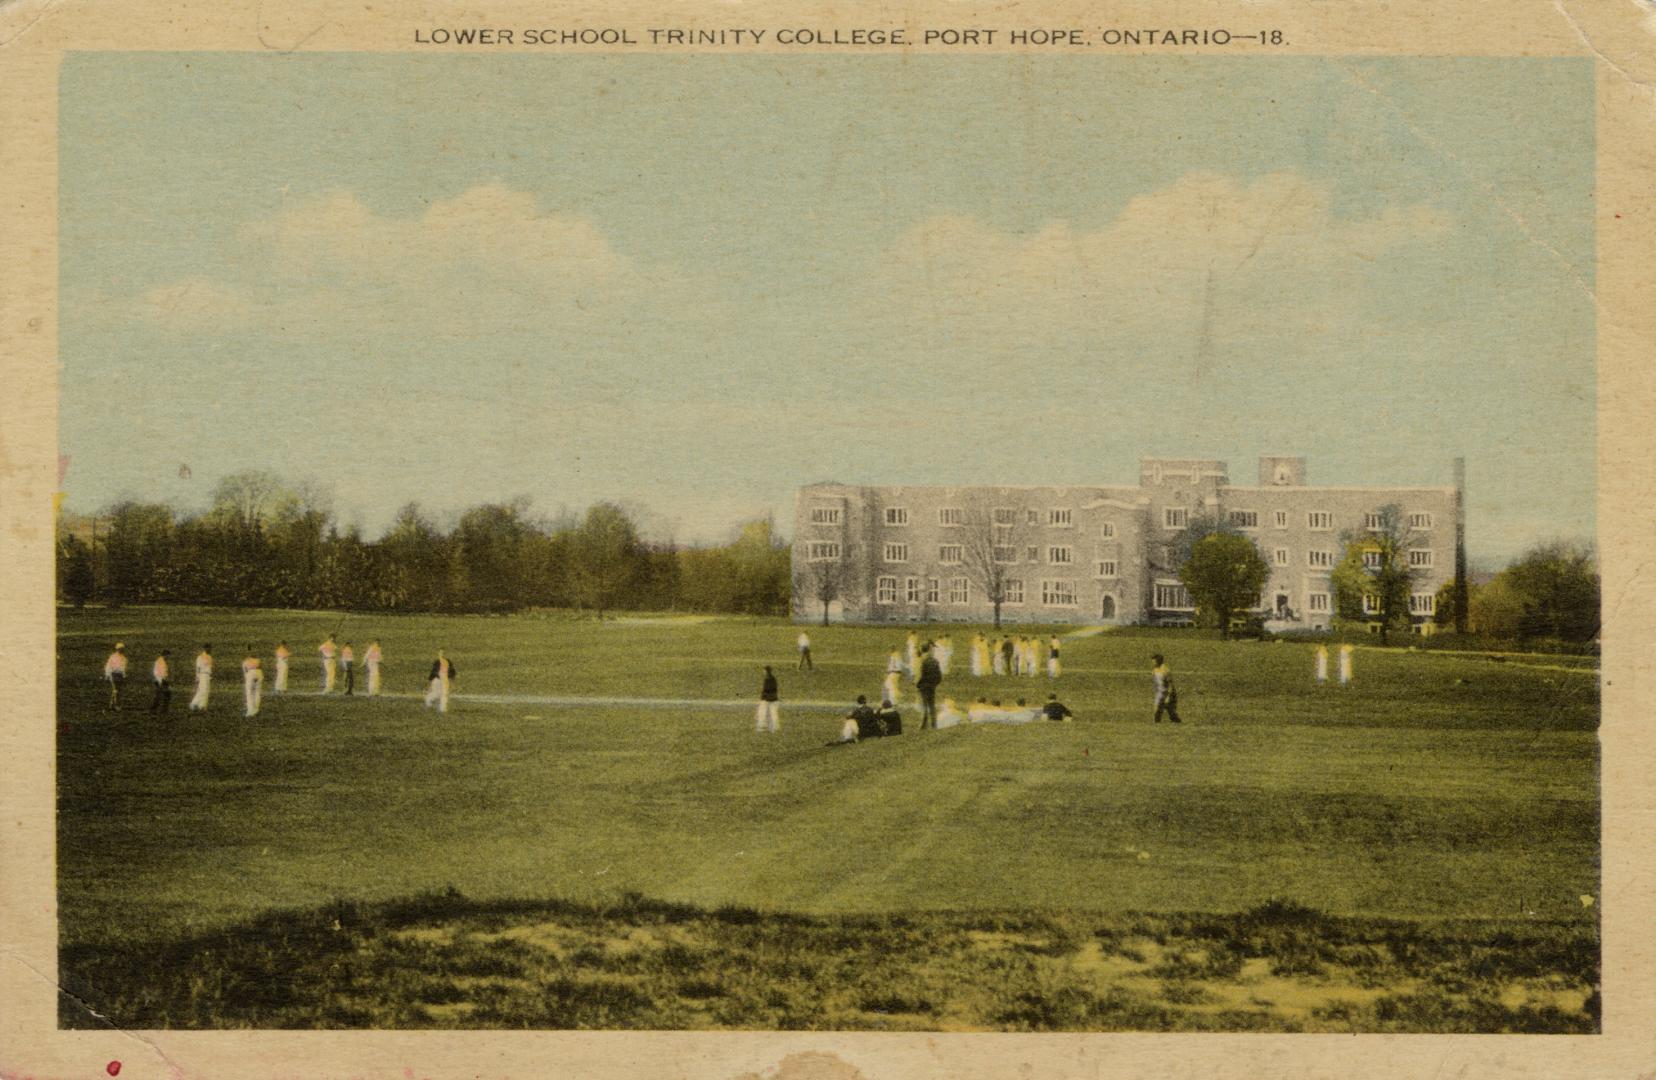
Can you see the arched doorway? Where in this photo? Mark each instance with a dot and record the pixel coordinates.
(1108, 609)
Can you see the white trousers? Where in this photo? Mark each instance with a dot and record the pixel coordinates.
(438, 694)
(766, 717)
(373, 678)
(1322, 667)
(1052, 667)
(281, 675)
(204, 686)
(328, 669)
(253, 690)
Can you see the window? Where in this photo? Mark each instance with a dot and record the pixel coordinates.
(1320, 558)
(949, 553)
(1006, 553)
(1107, 530)
(1175, 517)
(822, 551)
(911, 591)
(1005, 515)
(1420, 558)
(1172, 596)
(1420, 521)
(885, 590)
(931, 590)
(1106, 568)
(1032, 517)
(896, 516)
(1280, 557)
(1032, 553)
(951, 515)
(825, 515)
(960, 590)
(1373, 522)
(896, 553)
(1282, 519)
(1060, 555)
(1373, 560)
(1317, 602)
(1422, 603)
(1319, 519)
(1244, 519)
(1058, 593)
(1014, 592)
(1061, 518)
(1371, 604)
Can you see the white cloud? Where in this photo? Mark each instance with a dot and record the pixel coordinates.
(1276, 251)
(489, 229)
(192, 302)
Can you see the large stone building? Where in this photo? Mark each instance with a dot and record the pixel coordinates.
(1096, 554)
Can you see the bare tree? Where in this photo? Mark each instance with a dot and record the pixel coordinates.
(991, 540)
(823, 580)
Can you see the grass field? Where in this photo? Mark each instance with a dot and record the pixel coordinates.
(1437, 787)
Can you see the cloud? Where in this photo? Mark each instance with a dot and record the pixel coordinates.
(193, 302)
(1265, 255)
(487, 231)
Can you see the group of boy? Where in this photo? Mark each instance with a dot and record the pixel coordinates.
(1015, 655)
(335, 660)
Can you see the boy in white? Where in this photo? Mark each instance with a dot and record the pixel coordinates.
(1345, 665)
(805, 650)
(1053, 667)
(1322, 663)
(282, 654)
(371, 658)
(204, 679)
(442, 674)
(115, 669)
(328, 651)
(980, 656)
(252, 682)
(892, 682)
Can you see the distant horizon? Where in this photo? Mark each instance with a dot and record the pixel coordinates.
(696, 283)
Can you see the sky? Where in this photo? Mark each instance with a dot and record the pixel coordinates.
(695, 283)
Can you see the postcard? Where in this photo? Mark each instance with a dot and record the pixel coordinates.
(827, 542)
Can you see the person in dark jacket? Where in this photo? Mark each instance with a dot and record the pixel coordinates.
(931, 675)
(1055, 709)
(766, 718)
(1167, 696)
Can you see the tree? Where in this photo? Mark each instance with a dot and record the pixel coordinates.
(74, 565)
(990, 540)
(1374, 572)
(605, 556)
(1223, 571)
(823, 580)
(1559, 584)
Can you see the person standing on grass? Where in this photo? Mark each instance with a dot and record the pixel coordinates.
(805, 651)
(439, 682)
(252, 682)
(931, 675)
(282, 654)
(1345, 664)
(161, 673)
(1009, 649)
(1322, 663)
(115, 669)
(766, 718)
(891, 688)
(371, 659)
(204, 679)
(347, 662)
(1167, 696)
(1054, 669)
(328, 652)
(894, 660)
(911, 655)
(980, 656)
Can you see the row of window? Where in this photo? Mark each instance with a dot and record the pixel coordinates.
(930, 590)
(1419, 559)
(1177, 517)
(1173, 517)
(898, 516)
(1419, 604)
(1063, 555)
(1172, 596)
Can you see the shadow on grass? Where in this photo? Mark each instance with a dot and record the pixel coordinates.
(441, 960)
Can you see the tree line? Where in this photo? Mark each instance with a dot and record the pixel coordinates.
(263, 542)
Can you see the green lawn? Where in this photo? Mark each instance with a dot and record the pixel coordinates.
(1436, 786)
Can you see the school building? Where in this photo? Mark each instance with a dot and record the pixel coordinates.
(1098, 554)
